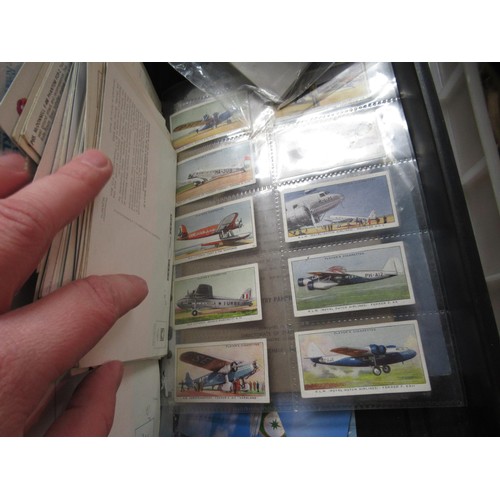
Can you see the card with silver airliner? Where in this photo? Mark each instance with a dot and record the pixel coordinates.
(362, 278)
(229, 295)
(378, 358)
(358, 204)
(206, 172)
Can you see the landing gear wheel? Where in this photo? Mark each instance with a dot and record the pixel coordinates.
(377, 371)
(386, 369)
(194, 312)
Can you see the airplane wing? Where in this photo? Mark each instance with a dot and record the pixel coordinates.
(227, 221)
(331, 273)
(203, 361)
(226, 240)
(345, 218)
(189, 125)
(351, 351)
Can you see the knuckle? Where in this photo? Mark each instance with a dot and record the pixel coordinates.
(23, 223)
(103, 297)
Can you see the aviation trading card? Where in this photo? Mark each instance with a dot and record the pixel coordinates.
(222, 372)
(230, 295)
(351, 280)
(217, 171)
(329, 143)
(371, 359)
(339, 86)
(225, 228)
(358, 204)
(202, 123)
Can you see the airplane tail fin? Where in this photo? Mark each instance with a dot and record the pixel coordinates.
(393, 265)
(183, 232)
(372, 215)
(247, 294)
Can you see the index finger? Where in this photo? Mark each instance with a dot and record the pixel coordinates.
(31, 218)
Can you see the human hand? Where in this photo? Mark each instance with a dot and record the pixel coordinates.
(42, 341)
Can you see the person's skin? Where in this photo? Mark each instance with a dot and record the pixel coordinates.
(43, 340)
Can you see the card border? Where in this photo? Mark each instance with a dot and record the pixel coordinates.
(341, 232)
(218, 251)
(207, 323)
(219, 147)
(265, 398)
(190, 144)
(352, 307)
(363, 391)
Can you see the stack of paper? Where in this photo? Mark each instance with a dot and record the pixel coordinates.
(53, 112)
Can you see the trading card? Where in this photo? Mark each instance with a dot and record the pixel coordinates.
(325, 144)
(222, 372)
(210, 173)
(371, 359)
(203, 122)
(357, 204)
(340, 86)
(231, 295)
(226, 228)
(351, 280)
(344, 85)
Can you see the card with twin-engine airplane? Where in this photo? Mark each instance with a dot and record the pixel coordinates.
(359, 204)
(225, 228)
(230, 295)
(214, 171)
(222, 372)
(204, 122)
(370, 359)
(351, 280)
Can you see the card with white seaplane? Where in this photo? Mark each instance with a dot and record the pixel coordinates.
(225, 228)
(370, 359)
(356, 204)
(222, 372)
(229, 295)
(350, 280)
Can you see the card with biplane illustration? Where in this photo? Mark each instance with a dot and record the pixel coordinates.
(370, 359)
(358, 204)
(219, 170)
(204, 122)
(351, 280)
(222, 372)
(225, 228)
(230, 295)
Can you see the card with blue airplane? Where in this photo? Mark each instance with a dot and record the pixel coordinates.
(369, 359)
(222, 372)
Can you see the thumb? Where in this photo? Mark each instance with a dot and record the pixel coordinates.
(92, 407)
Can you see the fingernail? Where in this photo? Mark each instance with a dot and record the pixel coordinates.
(94, 158)
(140, 283)
(14, 162)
